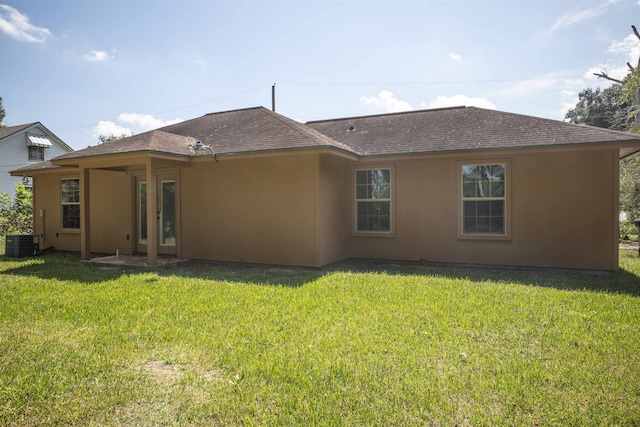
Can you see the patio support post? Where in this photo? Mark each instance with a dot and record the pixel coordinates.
(85, 215)
(152, 214)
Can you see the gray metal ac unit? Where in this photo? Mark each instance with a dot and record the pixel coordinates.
(21, 245)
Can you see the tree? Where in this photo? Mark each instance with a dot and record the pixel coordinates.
(602, 108)
(2, 114)
(109, 138)
(630, 88)
(618, 108)
(16, 217)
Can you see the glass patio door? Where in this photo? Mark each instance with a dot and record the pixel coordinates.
(166, 214)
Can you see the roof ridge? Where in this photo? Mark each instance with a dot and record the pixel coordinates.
(398, 113)
(16, 129)
(234, 111)
(304, 129)
(580, 125)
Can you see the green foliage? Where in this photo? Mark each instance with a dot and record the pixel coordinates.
(82, 345)
(2, 114)
(631, 88)
(16, 217)
(617, 108)
(109, 138)
(628, 231)
(602, 108)
(630, 186)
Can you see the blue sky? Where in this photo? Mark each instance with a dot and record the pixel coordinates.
(85, 68)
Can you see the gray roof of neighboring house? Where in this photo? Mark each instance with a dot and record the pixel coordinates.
(456, 129)
(10, 130)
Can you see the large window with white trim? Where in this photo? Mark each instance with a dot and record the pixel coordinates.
(70, 201)
(373, 200)
(484, 199)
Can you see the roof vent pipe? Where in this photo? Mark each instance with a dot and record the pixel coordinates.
(273, 98)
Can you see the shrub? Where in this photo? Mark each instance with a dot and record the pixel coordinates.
(16, 217)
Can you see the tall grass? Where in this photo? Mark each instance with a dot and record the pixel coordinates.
(357, 344)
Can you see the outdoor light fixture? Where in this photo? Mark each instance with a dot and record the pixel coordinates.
(25, 180)
(199, 146)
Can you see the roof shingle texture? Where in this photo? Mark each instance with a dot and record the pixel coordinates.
(253, 129)
(152, 141)
(458, 128)
(427, 131)
(6, 131)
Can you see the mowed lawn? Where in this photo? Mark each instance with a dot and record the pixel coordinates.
(361, 343)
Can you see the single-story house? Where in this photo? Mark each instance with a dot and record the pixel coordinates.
(452, 185)
(24, 145)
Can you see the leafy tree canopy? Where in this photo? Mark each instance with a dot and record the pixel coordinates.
(2, 114)
(109, 138)
(16, 216)
(602, 108)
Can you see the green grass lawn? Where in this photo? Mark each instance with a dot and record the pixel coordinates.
(385, 344)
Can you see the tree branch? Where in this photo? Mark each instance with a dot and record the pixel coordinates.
(604, 75)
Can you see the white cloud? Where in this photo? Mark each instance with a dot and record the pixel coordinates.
(108, 128)
(459, 100)
(455, 56)
(527, 87)
(617, 72)
(626, 50)
(145, 122)
(387, 102)
(97, 56)
(18, 26)
(630, 46)
(130, 123)
(578, 16)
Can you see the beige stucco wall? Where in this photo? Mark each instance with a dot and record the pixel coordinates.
(563, 212)
(333, 209)
(297, 209)
(260, 210)
(110, 212)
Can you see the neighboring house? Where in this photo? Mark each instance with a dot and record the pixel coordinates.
(24, 145)
(453, 185)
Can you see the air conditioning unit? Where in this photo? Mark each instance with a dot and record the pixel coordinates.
(22, 245)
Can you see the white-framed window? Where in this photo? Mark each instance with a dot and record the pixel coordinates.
(70, 201)
(36, 153)
(373, 200)
(484, 199)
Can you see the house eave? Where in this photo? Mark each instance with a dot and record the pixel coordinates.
(279, 152)
(122, 159)
(626, 148)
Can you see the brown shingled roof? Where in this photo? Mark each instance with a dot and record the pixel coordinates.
(46, 164)
(238, 131)
(426, 131)
(152, 141)
(458, 128)
(250, 130)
